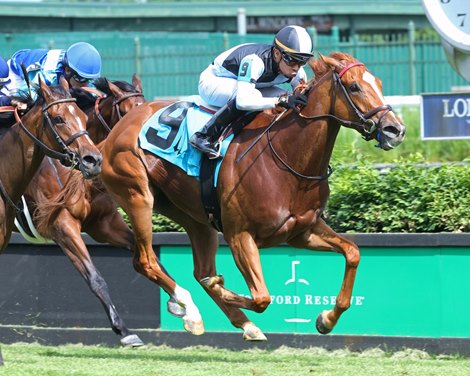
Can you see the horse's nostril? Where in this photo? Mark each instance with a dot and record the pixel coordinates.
(392, 131)
(92, 160)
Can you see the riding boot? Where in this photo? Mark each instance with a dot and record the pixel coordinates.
(206, 140)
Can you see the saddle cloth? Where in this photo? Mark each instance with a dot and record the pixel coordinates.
(166, 134)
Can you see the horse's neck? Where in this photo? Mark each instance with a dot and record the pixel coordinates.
(309, 144)
(21, 157)
(96, 129)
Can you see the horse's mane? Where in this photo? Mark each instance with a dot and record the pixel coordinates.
(74, 191)
(102, 85)
(320, 68)
(85, 99)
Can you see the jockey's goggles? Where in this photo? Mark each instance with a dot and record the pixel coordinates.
(294, 60)
(80, 79)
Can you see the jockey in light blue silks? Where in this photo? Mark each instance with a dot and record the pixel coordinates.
(79, 64)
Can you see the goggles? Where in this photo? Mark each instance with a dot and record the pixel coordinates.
(79, 79)
(294, 60)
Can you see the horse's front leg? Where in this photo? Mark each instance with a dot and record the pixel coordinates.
(132, 192)
(65, 231)
(322, 238)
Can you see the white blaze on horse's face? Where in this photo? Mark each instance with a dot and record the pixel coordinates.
(77, 118)
(372, 81)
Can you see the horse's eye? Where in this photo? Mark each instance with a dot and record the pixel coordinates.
(58, 120)
(354, 88)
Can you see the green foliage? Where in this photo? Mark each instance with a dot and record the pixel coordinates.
(409, 197)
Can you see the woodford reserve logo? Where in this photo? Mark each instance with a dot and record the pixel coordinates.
(306, 298)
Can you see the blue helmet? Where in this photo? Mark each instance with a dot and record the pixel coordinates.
(84, 59)
(4, 72)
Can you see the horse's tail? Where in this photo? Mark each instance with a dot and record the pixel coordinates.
(74, 191)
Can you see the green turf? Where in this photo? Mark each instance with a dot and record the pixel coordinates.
(36, 360)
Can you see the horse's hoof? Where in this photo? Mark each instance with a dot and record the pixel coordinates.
(132, 340)
(253, 333)
(195, 327)
(320, 324)
(175, 309)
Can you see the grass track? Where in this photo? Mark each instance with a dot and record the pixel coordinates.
(38, 360)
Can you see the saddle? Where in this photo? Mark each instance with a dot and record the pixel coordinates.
(166, 134)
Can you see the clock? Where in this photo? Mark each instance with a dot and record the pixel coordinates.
(451, 19)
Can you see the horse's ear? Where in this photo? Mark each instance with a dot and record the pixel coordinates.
(44, 88)
(136, 82)
(114, 88)
(333, 63)
(64, 83)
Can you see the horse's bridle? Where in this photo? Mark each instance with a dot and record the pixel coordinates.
(115, 106)
(65, 156)
(366, 126)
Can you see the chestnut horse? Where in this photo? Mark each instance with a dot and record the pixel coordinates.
(275, 194)
(54, 126)
(64, 204)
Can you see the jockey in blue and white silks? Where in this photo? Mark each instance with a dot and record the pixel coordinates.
(246, 78)
(79, 64)
(4, 79)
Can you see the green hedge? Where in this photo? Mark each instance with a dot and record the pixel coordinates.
(409, 196)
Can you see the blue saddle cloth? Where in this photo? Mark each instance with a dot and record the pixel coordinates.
(166, 134)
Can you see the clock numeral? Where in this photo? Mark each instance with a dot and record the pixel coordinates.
(445, 1)
(462, 17)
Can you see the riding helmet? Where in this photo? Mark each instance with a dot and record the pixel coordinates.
(294, 41)
(84, 59)
(4, 72)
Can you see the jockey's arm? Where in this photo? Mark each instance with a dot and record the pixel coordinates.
(248, 97)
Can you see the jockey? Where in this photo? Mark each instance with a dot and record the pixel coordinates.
(245, 78)
(4, 73)
(79, 64)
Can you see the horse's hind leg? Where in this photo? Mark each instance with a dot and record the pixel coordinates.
(322, 238)
(66, 233)
(204, 241)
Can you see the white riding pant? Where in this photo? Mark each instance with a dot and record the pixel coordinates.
(217, 91)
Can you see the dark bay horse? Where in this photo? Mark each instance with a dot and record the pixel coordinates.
(275, 194)
(64, 204)
(54, 126)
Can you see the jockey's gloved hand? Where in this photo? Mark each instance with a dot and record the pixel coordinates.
(291, 101)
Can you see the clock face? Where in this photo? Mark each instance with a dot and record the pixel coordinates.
(451, 19)
(458, 12)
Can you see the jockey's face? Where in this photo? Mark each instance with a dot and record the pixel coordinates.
(287, 66)
(74, 78)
